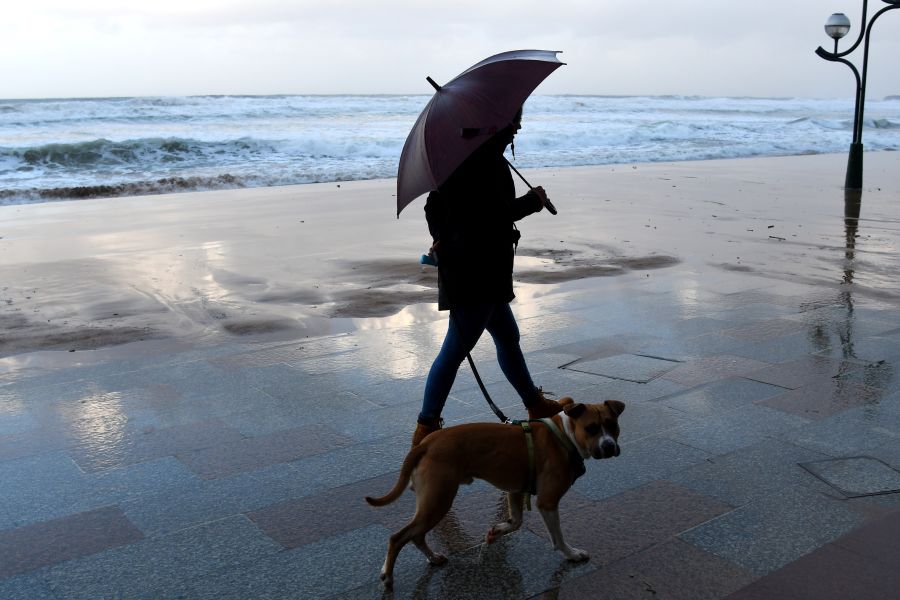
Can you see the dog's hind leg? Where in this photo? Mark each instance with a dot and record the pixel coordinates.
(515, 500)
(432, 504)
(395, 545)
(434, 559)
(433, 501)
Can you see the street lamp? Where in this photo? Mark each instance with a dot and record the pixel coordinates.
(837, 26)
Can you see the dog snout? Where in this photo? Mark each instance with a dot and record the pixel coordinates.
(608, 448)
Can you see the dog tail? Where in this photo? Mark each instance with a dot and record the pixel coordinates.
(409, 463)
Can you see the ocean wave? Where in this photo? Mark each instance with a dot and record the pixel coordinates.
(883, 124)
(100, 152)
(165, 185)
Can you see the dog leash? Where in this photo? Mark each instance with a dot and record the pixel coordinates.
(503, 418)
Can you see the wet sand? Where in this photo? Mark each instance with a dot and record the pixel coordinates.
(297, 261)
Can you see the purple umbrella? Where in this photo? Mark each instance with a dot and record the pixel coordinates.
(465, 113)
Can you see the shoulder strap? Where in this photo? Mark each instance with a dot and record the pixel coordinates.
(563, 438)
(532, 470)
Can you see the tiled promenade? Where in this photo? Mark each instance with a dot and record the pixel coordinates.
(761, 433)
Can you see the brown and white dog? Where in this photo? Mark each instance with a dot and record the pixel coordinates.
(498, 454)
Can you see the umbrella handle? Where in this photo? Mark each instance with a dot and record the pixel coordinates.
(547, 202)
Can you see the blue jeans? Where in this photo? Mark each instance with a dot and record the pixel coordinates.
(465, 327)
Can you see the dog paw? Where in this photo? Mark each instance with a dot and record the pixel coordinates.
(576, 555)
(388, 581)
(437, 560)
(498, 530)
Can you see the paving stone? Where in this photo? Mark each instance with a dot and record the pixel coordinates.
(686, 349)
(630, 367)
(590, 348)
(672, 570)
(803, 372)
(859, 430)
(856, 476)
(705, 370)
(824, 398)
(58, 491)
(248, 454)
(724, 432)
(748, 313)
(766, 329)
(29, 586)
(866, 349)
(720, 396)
(787, 348)
(888, 451)
(699, 325)
(291, 352)
(353, 463)
(829, 573)
(645, 419)
(517, 566)
(634, 520)
(196, 501)
(320, 570)
(18, 421)
(157, 567)
(42, 544)
(110, 449)
(32, 443)
(640, 462)
(772, 531)
(745, 475)
(882, 375)
(336, 511)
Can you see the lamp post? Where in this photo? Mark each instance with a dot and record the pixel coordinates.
(837, 26)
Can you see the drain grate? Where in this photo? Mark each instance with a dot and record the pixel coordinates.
(856, 476)
(637, 368)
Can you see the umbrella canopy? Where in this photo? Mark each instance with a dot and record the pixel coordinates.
(465, 113)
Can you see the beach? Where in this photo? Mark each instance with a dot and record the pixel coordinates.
(291, 262)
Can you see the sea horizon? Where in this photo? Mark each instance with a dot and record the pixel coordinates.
(848, 98)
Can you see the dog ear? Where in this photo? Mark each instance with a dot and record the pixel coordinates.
(573, 410)
(614, 405)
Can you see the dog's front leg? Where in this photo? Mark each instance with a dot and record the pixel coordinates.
(551, 520)
(515, 502)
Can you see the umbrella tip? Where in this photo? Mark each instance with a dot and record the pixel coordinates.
(433, 84)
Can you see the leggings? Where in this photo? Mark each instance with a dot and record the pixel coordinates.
(466, 324)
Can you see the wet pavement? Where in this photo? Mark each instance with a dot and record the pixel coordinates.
(760, 452)
(760, 448)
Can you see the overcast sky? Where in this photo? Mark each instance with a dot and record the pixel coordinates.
(66, 48)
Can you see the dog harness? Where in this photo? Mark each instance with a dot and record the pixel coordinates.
(576, 461)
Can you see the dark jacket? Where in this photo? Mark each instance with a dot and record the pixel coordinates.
(472, 216)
